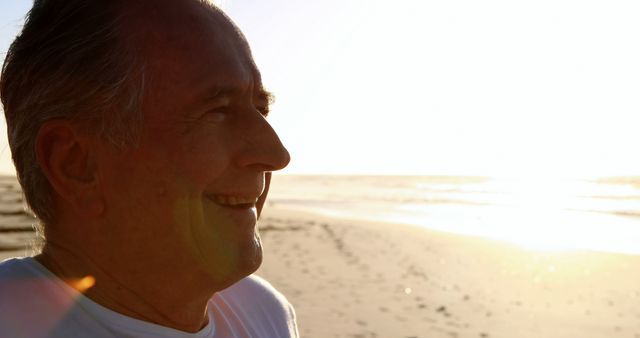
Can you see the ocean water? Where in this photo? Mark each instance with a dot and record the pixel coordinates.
(544, 214)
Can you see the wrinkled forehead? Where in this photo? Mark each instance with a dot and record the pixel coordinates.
(189, 42)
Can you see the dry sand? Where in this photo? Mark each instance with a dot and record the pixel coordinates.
(349, 278)
(354, 278)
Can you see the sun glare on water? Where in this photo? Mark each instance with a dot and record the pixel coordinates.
(557, 215)
(539, 207)
(542, 214)
(538, 214)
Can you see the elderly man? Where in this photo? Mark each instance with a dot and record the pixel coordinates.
(138, 131)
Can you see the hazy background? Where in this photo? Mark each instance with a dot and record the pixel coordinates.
(495, 88)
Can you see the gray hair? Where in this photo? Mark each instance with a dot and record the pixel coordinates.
(71, 61)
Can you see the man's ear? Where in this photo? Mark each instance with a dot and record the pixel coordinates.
(65, 157)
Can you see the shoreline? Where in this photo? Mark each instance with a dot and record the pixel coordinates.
(391, 219)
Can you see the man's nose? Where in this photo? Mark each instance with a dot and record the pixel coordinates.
(262, 148)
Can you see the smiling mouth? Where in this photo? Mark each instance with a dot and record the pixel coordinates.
(239, 202)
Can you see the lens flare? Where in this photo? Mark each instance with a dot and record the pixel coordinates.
(83, 284)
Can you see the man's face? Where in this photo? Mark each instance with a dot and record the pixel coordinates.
(186, 195)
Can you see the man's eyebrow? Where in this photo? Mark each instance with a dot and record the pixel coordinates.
(261, 95)
(218, 92)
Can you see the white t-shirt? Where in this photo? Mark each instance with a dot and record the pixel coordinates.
(34, 303)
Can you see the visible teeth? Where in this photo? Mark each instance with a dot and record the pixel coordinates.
(233, 200)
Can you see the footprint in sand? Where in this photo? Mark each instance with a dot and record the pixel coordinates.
(401, 319)
(429, 320)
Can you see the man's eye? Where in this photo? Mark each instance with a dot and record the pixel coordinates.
(216, 115)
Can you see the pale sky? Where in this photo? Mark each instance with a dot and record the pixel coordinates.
(504, 88)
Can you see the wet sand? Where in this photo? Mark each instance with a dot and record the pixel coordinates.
(16, 225)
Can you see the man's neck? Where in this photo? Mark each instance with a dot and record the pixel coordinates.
(140, 295)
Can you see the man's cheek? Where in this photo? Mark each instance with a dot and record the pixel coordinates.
(188, 220)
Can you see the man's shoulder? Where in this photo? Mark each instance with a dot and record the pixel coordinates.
(23, 281)
(12, 274)
(17, 274)
(256, 288)
(26, 303)
(253, 292)
(12, 267)
(255, 302)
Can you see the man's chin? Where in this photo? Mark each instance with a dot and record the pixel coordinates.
(242, 272)
(252, 261)
(238, 263)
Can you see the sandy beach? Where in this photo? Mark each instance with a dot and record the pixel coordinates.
(358, 278)
(351, 278)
